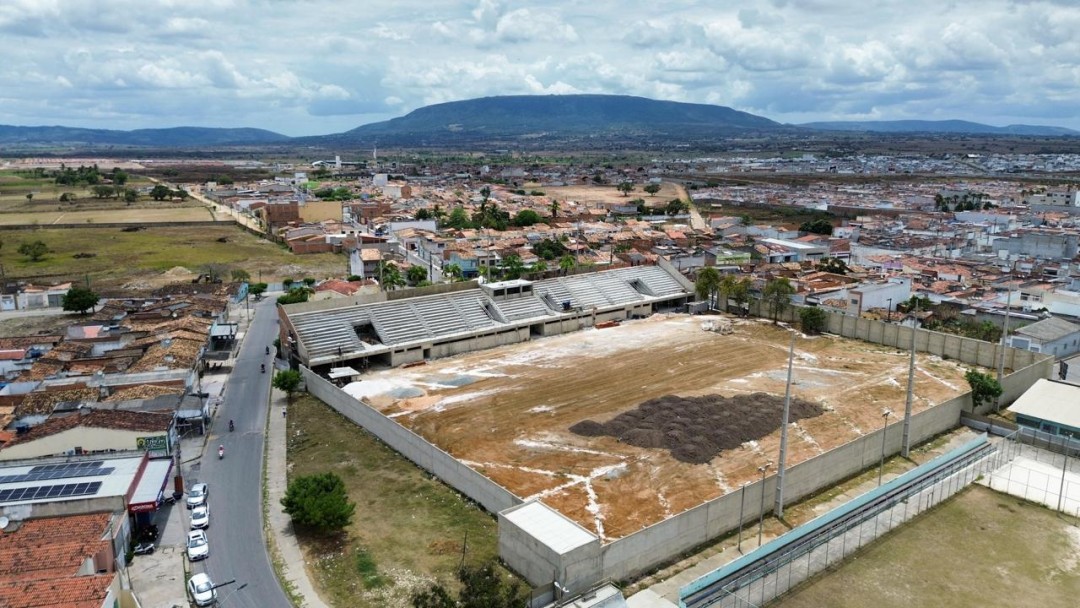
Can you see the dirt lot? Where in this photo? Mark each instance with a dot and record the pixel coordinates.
(508, 411)
(610, 194)
(1005, 552)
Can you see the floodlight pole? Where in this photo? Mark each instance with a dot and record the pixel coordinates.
(905, 444)
(779, 508)
(1004, 337)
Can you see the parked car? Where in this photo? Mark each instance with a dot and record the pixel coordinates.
(197, 495)
(201, 589)
(200, 517)
(197, 547)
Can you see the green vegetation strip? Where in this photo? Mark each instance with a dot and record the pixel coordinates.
(408, 528)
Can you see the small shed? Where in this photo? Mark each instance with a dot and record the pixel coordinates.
(340, 375)
(1051, 407)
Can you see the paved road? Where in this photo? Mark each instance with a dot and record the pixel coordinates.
(237, 547)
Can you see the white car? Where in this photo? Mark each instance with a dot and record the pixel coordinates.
(197, 547)
(201, 589)
(200, 517)
(197, 495)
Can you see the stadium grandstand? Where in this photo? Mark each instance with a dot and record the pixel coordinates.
(405, 330)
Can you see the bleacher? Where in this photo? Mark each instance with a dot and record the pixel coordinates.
(429, 318)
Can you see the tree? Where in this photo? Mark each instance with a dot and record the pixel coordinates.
(454, 272)
(485, 192)
(481, 587)
(294, 296)
(239, 275)
(160, 192)
(777, 294)
(549, 249)
(101, 191)
(513, 267)
(567, 263)
(818, 226)
(416, 274)
(554, 209)
(674, 207)
(459, 219)
(984, 387)
(814, 320)
(538, 266)
(119, 176)
(423, 214)
(67, 197)
(130, 195)
(626, 187)
(741, 293)
(651, 189)
(35, 250)
(287, 381)
(257, 289)
(390, 276)
(708, 281)
(29, 197)
(310, 281)
(526, 217)
(319, 502)
(80, 300)
(833, 265)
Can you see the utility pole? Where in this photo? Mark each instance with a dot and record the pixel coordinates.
(1004, 336)
(905, 445)
(783, 433)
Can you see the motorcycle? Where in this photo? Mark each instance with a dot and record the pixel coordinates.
(145, 548)
(231, 427)
(262, 367)
(221, 452)
(268, 350)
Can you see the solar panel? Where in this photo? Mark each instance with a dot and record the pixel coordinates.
(47, 472)
(54, 491)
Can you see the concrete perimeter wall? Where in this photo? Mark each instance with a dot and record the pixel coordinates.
(490, 495)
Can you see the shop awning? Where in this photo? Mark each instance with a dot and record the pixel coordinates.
(152, 483)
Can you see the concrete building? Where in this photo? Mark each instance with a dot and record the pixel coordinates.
(1051, 407)
(1044, 245)
(1051, 336)
(878, 295)
(1067, 198)
(91, 431)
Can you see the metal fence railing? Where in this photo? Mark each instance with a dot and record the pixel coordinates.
(1039, 467)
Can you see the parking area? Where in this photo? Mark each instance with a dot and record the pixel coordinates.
(158, 579)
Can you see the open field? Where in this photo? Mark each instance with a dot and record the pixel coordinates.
(589, 193)
(981, 548)
(154, 256)
(408, 527)
(508, 412)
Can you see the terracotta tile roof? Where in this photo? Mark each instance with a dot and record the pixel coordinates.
(123, 420)
(43, 402)
(40, 370)
(70, 592)
(13, 342)
(48, 547)
(179, 354)
(143, 391)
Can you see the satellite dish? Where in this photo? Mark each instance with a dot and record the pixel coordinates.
(4, 521)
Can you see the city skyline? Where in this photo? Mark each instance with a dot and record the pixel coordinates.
(308, 67)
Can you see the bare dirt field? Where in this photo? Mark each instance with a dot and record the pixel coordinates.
(508, 412)
(588, 193)
(980, 548)
(106, 216)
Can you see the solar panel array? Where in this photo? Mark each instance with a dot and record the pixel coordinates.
(44, 492)
(65, 470)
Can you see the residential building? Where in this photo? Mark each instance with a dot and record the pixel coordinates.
(1051, 336)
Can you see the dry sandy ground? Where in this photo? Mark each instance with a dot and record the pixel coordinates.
(44, 218)
(507, 411)
(610, 194)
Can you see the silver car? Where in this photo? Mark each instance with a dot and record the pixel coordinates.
(197, 495)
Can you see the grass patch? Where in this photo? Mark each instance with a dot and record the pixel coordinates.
(123, 255)
(979, 548)
(408, 528)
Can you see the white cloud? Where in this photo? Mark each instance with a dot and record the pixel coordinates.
(317, 68)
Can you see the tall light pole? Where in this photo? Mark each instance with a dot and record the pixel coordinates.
(905, 444)
(761, 509)
(888, 317)
(779, 507)
(231, 593)
(884, 433)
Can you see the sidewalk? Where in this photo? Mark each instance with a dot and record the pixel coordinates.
(285, 551)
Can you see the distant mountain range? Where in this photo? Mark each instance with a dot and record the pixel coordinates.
(936, 126)
(581, 119)
(176, 137)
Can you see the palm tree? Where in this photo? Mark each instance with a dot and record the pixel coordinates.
(453, 271)
(728, 287)
(513, 267)
(539, 266)
(708, 279)
(554, 209)
(390, 277)
(777, 294)
(567, 262)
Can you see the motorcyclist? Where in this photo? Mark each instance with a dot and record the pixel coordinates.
(268, 350)
(231, 427)
(262, 367)
(220, 451)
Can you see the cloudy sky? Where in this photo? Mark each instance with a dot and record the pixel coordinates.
(307, 67)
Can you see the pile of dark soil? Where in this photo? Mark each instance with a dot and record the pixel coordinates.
(696, 429)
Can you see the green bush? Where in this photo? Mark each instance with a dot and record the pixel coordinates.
(318, 502)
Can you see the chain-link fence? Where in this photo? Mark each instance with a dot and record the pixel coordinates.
(791, 565)
(1039, 467)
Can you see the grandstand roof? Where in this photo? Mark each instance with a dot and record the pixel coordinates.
(330, 333)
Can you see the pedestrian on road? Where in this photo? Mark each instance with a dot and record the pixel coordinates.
(283, 411)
